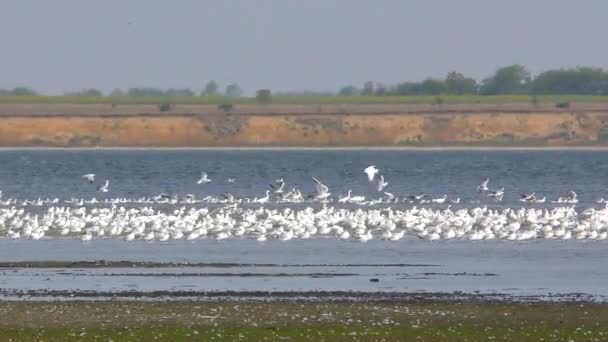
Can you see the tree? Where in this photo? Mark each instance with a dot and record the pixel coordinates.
(117, 92)
(368, 88)
(348, 91)
(581, 80)
(86, 92)
(263, 96)
(408, 88)
(513, 79)
(179, 92)
(233, 90)
(145, 92)
(23, 91)
(211, 88)
(432, 86)
(382, 90)
(456, 83)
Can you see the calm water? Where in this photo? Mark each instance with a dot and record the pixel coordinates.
(33, 174)
(410, 265)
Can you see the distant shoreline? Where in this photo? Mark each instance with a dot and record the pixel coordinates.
(328, 148)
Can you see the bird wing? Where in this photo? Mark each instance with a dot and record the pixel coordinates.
(485, 181)
(88, 176)
(370, 171)
(321, 188)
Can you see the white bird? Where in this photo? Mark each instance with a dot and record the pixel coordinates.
(356, 199)
(345, 198)
(90, 177)
(204, 178)
(278, 186)
(322, 189)
(497, 194)
(105, 187)
(371, 172)
(484, 184)
(528, 197)
(263, 199)
(389, 196)
(381, 183)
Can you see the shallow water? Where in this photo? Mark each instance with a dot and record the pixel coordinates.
(536, 268)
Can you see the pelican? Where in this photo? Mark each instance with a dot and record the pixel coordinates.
(371, 172)
(105, 187)
(381, 183)
(90, 177)
(204, 178)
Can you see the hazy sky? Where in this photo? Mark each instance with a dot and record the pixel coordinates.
(60, 45)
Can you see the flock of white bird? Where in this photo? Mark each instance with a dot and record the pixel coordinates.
(261, 223)
(232, 220)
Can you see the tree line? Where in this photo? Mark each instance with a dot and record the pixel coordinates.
(510, 80)
(211, 89)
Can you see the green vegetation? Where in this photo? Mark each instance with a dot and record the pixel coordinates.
(431, 321)
(509, 84)
(306, 99)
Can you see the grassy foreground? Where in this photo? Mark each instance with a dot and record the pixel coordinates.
(304, 99)
(180, 321)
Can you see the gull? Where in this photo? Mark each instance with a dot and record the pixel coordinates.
(440, 200)
(381, 183)
(540, 200)
(484, 185)
(204, 178)
(497, 194)
(389, 196)
(528, 197)
(105, 187)
(356, 199)
(371, 172)
(417, 198)
(278, 186)
(322, 189)
(90, 177)
(231, 180)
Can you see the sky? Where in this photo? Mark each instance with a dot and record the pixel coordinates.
(288, 45)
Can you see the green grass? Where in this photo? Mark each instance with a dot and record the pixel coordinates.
(118, 321)
(304, 99)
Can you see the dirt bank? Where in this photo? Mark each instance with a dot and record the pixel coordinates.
(304, 125)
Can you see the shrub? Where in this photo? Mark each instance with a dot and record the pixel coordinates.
(263, 96)
(225, 107)
(165, 107)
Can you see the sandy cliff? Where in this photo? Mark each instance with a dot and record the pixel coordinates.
(353, 125)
